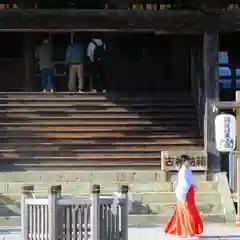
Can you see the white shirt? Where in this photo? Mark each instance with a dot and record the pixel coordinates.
(92, 46)
(185, 180)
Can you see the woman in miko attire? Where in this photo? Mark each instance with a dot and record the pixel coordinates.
(186, 221)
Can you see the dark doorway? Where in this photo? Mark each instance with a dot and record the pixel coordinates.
(149, 63)
(12, 68)
(137, 62)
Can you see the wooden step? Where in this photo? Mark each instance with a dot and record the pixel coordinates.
(105, 129)
(115, 99)
(99, 146)
(97, 135)
(95, 103)
(83, 155)
(73, 163)
(109, 141)
(96, 128)
(142, 110)
(81, 130)
(78, 144)
(81, 148)
(80, 157)
(89, 123)
(101, 137)
(113, 95)
(69, 151)
(67, 116)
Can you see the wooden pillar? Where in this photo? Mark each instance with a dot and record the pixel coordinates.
(196, 67)
(210, 55)
(95, 213)
(238, 150)
(197, 80)
(26, 192)
(210, 64)
(29, 62)
(52, 212)
(124, 212)
(193, 72)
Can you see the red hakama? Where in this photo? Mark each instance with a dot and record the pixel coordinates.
(186, 221)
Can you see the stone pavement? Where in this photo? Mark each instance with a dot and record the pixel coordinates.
(211, 231)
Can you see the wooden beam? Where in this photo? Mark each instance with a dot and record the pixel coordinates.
(166, 21)
(224, 105)
(210, 56)
(163, 21)
(229, 21)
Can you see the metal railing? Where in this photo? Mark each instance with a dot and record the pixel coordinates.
(56, 217)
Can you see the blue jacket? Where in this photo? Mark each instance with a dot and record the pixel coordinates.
(75, 54)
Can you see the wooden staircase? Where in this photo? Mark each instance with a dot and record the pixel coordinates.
(61, 129)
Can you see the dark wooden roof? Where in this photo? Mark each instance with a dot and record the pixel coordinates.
(164, 21)
(175, 21)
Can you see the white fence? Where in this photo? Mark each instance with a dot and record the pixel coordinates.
(74, 218)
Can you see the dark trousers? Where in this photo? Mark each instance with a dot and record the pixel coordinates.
(98, 77)
(47, 75)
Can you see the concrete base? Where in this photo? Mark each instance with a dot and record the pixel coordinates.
(92, 176)
(153, 197)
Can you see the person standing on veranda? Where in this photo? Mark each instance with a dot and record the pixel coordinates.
(75, 61)
(186, 221)
(44, 54)
(96, 53)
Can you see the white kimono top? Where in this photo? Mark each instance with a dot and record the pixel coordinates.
(184, 181)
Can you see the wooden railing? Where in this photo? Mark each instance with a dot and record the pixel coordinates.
(55, 217)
